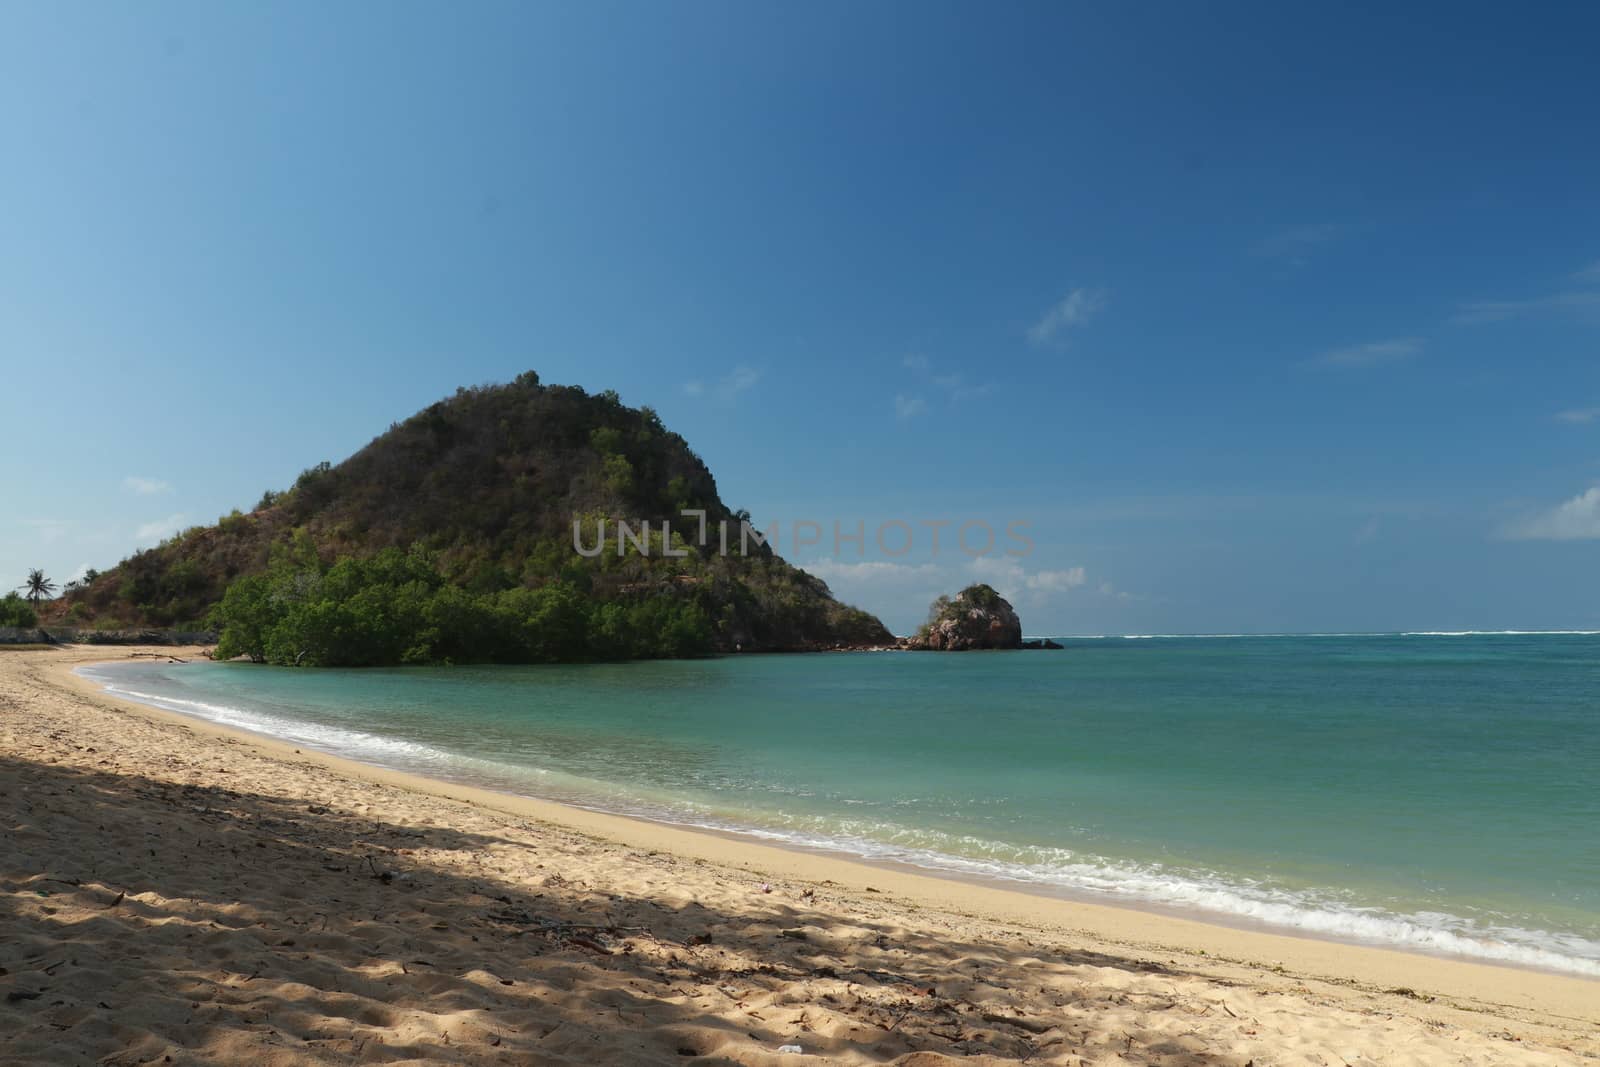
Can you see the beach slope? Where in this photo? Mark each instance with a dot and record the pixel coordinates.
(177, 894)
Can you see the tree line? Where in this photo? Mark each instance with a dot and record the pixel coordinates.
(396, 607)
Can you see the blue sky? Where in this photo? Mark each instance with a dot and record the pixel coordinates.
(1264, 318)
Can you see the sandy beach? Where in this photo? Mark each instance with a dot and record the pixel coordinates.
(176, 893)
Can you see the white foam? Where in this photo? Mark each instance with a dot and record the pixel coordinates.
(1501, 633)
(1303, 911)
(332, 739)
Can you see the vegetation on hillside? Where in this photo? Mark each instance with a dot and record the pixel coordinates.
(450, 537)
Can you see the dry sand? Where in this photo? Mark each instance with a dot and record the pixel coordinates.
(174, 893)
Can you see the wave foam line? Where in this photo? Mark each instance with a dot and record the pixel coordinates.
(1433, 932)
(1501, 633)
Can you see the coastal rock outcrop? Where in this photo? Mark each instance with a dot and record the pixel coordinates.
(977, 617)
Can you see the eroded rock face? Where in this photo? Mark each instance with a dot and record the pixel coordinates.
(977, 617)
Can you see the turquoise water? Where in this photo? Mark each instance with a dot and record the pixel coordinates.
(1433, 792)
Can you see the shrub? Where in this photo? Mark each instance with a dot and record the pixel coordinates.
(15, 611)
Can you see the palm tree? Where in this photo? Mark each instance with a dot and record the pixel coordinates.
(38, 586)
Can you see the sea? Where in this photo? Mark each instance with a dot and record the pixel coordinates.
(1435, 792)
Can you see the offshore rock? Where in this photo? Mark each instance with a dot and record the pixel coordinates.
(977, 617)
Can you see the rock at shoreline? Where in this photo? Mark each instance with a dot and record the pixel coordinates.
(977, 617)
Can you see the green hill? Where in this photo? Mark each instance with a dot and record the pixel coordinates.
(450, 537)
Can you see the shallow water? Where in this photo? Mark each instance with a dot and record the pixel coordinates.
(1435, 792)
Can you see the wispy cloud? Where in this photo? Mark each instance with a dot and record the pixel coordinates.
(1109, 590)
(958, 388)
(1073, 310)
(1294, 244)
(1578, 415)
(1014, 581)
(739, 380)
(908, 407)
(954, 386)
(1577, 519)
(145, 486)
(1371, 354)
(874, 571)
(1482, 311)
(1056, 581)
(161, 529)
(1584, 298)
(729, 387)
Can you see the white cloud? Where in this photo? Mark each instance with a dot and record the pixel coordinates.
(161, 529)
(1293, 244)
(1056, 581)
(1577, 519)
(908, 407)
(1074, 309)
(1482, 311)
(1371, 354)
(1579, 415)
(145, 486)
(1002, 572)
(955, 386)
(1013, 580)
(1005, 573)
(739, 380)
(874, 571)
(1583, 299)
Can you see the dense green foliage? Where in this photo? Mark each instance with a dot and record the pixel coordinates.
(486, 487)
(396, 608)
(15, 611)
